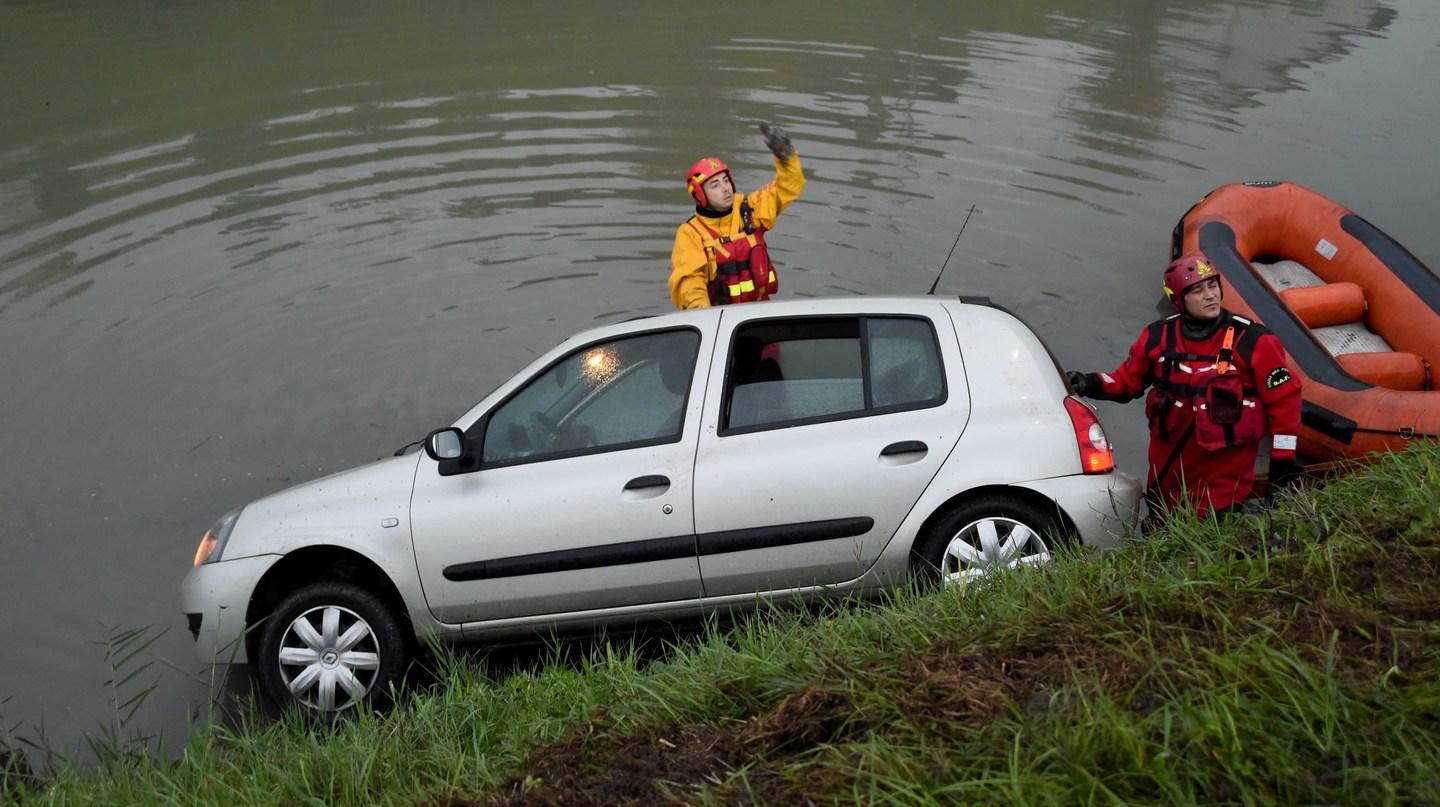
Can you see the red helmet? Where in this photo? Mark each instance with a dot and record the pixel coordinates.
(1184, 272)
(702, 170)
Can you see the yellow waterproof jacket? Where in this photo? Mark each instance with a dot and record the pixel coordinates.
(691, 270)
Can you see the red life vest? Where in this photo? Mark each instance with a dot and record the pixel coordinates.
(1226, 411)
(739, 266)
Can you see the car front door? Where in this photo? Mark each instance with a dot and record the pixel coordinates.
(828, 429)
(581, 496)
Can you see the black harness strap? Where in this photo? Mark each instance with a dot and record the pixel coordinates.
(1168, 357)
(1249, 337)
(1154, 332)
(1244, 346)
(1174, 454)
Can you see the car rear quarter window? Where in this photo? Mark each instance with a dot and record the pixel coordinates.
(807, 370)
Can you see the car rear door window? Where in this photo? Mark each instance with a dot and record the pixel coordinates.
(604, 397)
(792, 372)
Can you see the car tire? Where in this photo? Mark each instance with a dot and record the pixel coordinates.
(980, 535)
(327, 647)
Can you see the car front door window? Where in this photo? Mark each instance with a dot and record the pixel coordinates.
(604, 397)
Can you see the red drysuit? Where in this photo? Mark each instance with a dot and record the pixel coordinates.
(1209, 407)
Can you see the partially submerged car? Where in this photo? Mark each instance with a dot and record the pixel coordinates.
(667, 467)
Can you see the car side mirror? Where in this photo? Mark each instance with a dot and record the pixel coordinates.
(445, 444)
(453, 452)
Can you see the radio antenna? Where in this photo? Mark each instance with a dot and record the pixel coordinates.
(952, 249)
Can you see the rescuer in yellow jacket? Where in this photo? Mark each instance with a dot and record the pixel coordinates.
(720, 255)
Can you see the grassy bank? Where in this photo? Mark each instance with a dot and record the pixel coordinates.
(1287, 657)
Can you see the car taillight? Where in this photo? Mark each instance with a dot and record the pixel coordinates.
(1096, 457)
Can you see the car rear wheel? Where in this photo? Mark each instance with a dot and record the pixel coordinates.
(984, 535)
(329, 646)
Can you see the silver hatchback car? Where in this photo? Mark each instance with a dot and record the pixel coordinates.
(667, 467)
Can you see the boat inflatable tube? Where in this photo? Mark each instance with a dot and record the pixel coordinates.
(1327, 304)
(1391, 370)
(1358, 314)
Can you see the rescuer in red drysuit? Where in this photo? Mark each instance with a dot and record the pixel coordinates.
(1218, 384)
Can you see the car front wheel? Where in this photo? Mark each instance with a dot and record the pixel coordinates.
(984, 535)
(328, 646)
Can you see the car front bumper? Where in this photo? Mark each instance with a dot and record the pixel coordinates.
(214, 598)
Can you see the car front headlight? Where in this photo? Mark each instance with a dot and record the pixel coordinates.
(212, 543)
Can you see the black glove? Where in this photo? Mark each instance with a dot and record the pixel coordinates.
(777, 141)
(1080, 383)
(1285, 475)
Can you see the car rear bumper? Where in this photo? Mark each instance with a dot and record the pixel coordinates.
(214, 598)
(1101, 506)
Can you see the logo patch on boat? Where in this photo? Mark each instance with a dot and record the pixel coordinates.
(1277, 377)
(1326, 249)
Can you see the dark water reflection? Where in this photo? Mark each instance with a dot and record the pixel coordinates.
(243, 245)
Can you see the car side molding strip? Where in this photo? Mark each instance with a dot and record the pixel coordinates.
(717, 543)
(569, 560)
(657, 549)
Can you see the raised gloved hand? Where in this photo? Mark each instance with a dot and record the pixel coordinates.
(1284, 475)
(1079, 382)
(777, 141)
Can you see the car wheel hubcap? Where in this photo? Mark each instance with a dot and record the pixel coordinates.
(987, 544)
(329, 658)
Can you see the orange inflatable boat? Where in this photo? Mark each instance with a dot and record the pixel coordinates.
(1358, 314)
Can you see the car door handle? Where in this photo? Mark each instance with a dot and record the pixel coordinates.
(904, 447)
(645, 482)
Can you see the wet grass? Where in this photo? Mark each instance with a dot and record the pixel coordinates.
(1287, 657)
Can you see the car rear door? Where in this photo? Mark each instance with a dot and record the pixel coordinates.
(828, 426)
(582, 499)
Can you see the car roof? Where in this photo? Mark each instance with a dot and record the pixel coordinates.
(856, 303)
